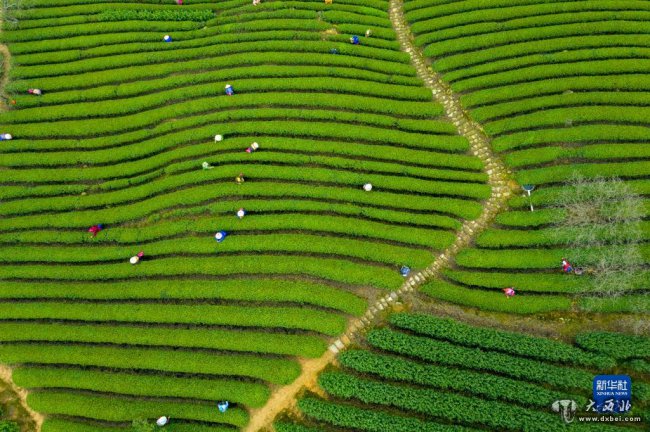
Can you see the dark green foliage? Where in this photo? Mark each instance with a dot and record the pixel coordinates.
(617, 345)
(497, 340)
(156, 15)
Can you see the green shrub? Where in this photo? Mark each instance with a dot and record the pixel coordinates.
(497, 340)
(156, 15)
(447, 354)
(487, 386)
(221, 339)
(356, 418)
(121, 409)
(618, 345)
(241, 289)
(495, 301)
(453, 408)
(315, 320)
(147, 385)
(276, 370)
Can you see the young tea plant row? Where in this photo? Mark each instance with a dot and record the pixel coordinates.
(422, 383)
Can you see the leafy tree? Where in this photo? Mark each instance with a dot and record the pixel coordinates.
(602, 224)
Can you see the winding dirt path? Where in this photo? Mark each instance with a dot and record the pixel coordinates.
(12, 395)
(6, 67)
(499, 178)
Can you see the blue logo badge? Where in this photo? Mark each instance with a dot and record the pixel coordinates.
(612, 393)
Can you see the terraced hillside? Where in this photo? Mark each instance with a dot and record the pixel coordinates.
(562, 88)
(119, 137)
(424, 373)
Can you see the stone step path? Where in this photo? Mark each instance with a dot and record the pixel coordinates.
(499, 177)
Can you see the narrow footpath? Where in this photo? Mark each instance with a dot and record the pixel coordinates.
(499, 178)
(6, 66)
(14, 398)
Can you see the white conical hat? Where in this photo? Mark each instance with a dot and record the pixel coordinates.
(134, 259)
(241, 213)
(367, 187)
(162, 421)
(7, 136)
(218, 138)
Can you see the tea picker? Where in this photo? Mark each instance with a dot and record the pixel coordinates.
(354, 40)
(566, 266)
(220, 236)
(136, 259)
(167, 38)
(368, 33)
(229, 90)
(367, 187)
(253, 147)
(241, 213)
(162, 421)
(218, 138)
(36, 92)
(240, 179)
(206, 166)
(6, 137)
(223, 406)
(404, 271)
(509, 292)
(95, 229)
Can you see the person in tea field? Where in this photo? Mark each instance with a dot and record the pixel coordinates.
(241, 213)
(240, 178)
(368, 33)
(35, 92)
(95, 229)
(229, 90)
(509, 292)
(354, 40)
(206, 166)
(6, 137)
(220, 236)
(256, 2)
(136, 259)
(253, 147)
(566, 266)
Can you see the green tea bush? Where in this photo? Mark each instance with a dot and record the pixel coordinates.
(356, 418)
(277, 370)
(447, 354)
(451, 407)
(200, 15)
(483, 385)
(121, 409)
(617, 345)
(497, 340)
(247, 393)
